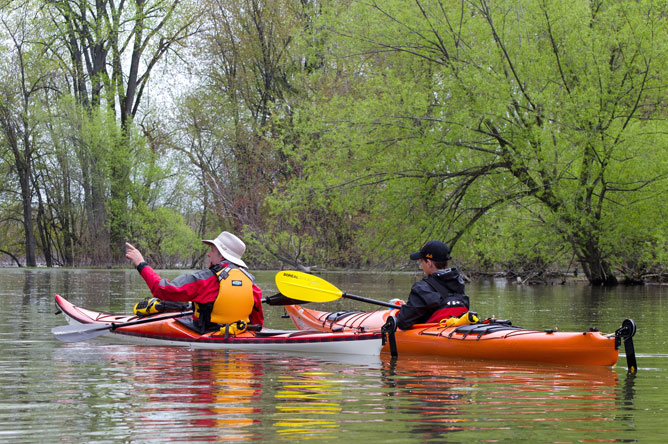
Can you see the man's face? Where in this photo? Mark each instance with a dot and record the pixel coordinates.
(214, 256)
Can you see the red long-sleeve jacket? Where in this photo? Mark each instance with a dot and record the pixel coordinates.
(201, 287)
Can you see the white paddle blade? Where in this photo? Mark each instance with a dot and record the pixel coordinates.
(80, 332)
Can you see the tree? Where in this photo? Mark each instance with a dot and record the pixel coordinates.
(24, 75)
(112, 48)
(453, 110)
(227, 125)
(12, 226)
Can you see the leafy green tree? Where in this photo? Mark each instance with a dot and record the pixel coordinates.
(163, 235)
(444, 112)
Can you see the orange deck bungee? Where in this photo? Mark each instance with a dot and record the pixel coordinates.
(477, 341)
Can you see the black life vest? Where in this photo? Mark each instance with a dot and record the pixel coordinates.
(449, 299)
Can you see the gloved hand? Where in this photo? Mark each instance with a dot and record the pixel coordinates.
(149, 306)
(233, 329)
(470, 317)
(397, 302)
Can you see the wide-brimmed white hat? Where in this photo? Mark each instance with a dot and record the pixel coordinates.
(230, 247)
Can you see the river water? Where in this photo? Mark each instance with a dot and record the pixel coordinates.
(101, 392)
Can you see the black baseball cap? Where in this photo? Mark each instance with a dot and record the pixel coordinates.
(433, 250)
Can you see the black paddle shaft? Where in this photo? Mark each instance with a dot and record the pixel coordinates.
(370, 301)
(114, 326)
(82, 332)
(281, 299)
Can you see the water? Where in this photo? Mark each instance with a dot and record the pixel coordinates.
(101, 392)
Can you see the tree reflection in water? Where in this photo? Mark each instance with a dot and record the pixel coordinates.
(164, 394)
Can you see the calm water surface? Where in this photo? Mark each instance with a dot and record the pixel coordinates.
(100, 392)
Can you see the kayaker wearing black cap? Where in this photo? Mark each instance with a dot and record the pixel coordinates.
(440, 295)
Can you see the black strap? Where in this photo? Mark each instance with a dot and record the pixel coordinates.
(226, 271)
(204, 314)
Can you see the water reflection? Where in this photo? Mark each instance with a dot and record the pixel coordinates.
(214, 395)
(106, 393)
(311, 395)
(306, 402)
(236, 386)
(171, 394)
(442, 396)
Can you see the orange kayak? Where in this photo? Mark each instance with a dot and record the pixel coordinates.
(490, 339)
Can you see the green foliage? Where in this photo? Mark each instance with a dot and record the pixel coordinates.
(439, 114)
(346, 133)
(163, 236)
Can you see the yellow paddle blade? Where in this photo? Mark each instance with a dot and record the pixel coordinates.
(306, 287)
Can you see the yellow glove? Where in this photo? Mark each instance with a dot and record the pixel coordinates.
(233, 329)
(148, 306)
(470, 317)
(237, 328)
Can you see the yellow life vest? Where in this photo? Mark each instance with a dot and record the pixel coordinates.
(235, 296)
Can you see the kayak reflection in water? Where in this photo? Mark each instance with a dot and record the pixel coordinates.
(436, 396)
(227, 275)
(440, 295)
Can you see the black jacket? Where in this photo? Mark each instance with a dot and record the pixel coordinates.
(427, 296)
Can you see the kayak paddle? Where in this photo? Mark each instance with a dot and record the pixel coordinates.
(281, 299)
(310, 288)
(82, 332)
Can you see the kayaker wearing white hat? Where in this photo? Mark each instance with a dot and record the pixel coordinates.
(222, 295)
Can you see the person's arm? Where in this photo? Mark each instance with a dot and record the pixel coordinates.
(184, 288)
(201, 286)
(414, 310)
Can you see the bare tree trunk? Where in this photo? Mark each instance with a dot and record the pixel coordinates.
(22, 163)
(43, 228)
(26, 198)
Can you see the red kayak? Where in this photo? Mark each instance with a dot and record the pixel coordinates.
(175, 330)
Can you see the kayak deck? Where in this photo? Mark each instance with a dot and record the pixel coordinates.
(172, 332)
